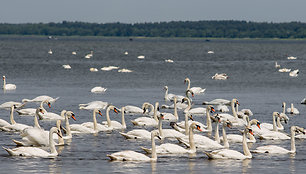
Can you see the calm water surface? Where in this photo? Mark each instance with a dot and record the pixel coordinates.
(249, 63)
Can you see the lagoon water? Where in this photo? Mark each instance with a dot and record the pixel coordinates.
(253, 80)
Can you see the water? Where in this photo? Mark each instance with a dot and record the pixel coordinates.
(249, 64)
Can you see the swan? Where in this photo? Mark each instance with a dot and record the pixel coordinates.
(141, 57)
(195, 90)
(109, 68)
(142, 133)
(277, 65)
(125, 70)
(93, 69)
(32, 111)
(98, 89)
(193, 111)
(15, 127)
(146, 121)
(291, 58)
(279, 150)
(73, 52)
(88, 56)
(84, 127)
(129, 109)
(100, 127)
(34, 151)
(171, 117)
(50, 51)
(169, 60)
(66, 66)
(169, 148)
(111, 123)
(294, 73)
(3, 123)
(235, 138)
(94, 105)
(232, 154)
(51, 116)
(217, 102)
(224, 136)
(284, 70)
(9, 104)
(208, 128)
(41, 98)
(221, 76)
(293, 110)
(240, 114)
(7, 86)
(168, 97)
(129, 155)
(210, 52)
(274, 134)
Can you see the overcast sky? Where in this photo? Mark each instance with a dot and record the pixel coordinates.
(134, 11)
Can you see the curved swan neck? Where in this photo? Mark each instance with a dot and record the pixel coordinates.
(234, 110)
(188, 83)
(284, 108)
(122, 118)
(60, 138)
(155, 111)
(191, 139)
(154, 155)
(51, 141)
(175, 109)
(246, 150)
(225, 141)
(292, 129)
(160, 127)
(278, 123)
(12, 115)
(208, 120)
(217, 137)
(109, 123)
(36, 123)
(67, 126)
(189, 105)
(186, 124)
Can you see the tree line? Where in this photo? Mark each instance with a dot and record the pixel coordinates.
(205, 29)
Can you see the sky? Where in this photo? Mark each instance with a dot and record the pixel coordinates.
(139, 11)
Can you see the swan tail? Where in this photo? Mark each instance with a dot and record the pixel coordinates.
(9, 151)
(111, 157)
(203, 90)
(54, 100)
(82, 107)
(18, 143)
(209, 155)
(134, 122)
(205, 103)
(26, 100)
(146, 150)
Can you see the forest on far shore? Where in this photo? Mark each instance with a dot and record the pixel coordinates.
(199, 29)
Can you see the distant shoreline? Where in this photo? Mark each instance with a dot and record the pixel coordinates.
(176, 29)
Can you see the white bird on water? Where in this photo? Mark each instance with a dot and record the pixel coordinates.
(7, 86)
(98, 89)
(294, 73)
(88, 56)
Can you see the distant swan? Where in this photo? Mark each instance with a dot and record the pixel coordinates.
(292, 110)
(129, 155)
(41, 98)
(9, 104)
(34, 151)
(284, 70)
(94, 105)
(98, 89)
(7, 86)
(109, 68)
(277, 65)
(88, 56)
(221, 76)
(294, 73)
(66, 66)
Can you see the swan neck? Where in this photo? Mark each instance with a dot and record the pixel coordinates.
(217, 137)
(67, 126)
(208, 120)
(155, 111)
(186, 124)
(160, 128)
(234, 110)
(166, 94)
(188, 84)
(122, 118)
(175, 110)
(189, 105)
(60, 138)
(191, 139)
(291, 107)
(246, 150)
(274, 124)
(278, 123)
(36, 123)
(293, 149)
(284, 108)
(225, 141)
(94, 118)
(109, 123)
(51, 143)
(12, 115)
(154, 155)
(4, 83)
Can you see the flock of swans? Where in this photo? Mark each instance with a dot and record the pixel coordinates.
(186, 136)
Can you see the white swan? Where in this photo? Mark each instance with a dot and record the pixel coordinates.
(34, 151)
(99, 127)
(195, 90)
(293, 110)
(146, 121)
(291, 58)
(41, 98)
(303, 101)
(112, 123)
(217, 102)
(294, 73)
(284, 70)
(98, 89)
(109, 68)
(222, 108)
(94, 105)
(169, 116)
(124, 70)
(272, 149)
(129, 109)
(169, 148)
(9, 104)
(51, 116)
(7, 86)
(232, 154)
(129, 155)
(277, 65)
(66, 66)
(32, 111)
(81, 128)
(221, 76)
(233, 118)
(88, 56)
(15, 127)
(168, 97)
(224, 135)
(194, 111)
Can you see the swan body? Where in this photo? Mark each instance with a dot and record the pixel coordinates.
(217, 102)
(129, 155)
(303, 101)
(88, 127)
(146, 121)
(291, 58)
(66, 66)
(125, 70)
(294, 73)
(112, 124)
(168, 96)
(272, 149)
(32, 111)
(93, 69)
(41, 98)
(7, 86)
(98, 89)
(8, 105)
(96, 126)
(129, 109)
(232, 154)
(94, 105)
(202, 142)
(109, 68)
(284, 70)
(277, 65)
(222, 108)
(292, 110)
(34, 151)
(221, 76)
(193, 111)
(88, 56)
(15, 127)
(195, 90)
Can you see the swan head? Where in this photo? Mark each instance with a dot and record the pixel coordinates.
(3, 77)
(155, 133)
(249, 130)
(298, 129)
(216, 118)
(165, 87)
(228, 124)
(98, 111)
(55, 130)
(211, 109)
(161, 117)
(186, 80)
(116, 110)
(235, 101)
(190, 117)
(258, 124)
(189, 91)
(283, 104)
(71, 114)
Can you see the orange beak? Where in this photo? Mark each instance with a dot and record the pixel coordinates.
(258, 125)
(192, 94)
(251, 132)
(49, 105)
(115, 110)
(41, 111)
(213, 110)
(72, 116)
(100, 113)
(162, 117)
(198, 127)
